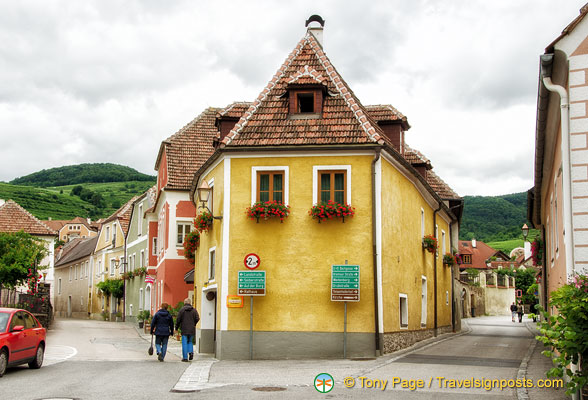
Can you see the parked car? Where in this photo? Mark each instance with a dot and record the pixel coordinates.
(22, 339)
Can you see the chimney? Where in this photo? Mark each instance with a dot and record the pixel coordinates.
(89, 221)
(317, 31)
(2, 202)
(474, 243)
(49, 218)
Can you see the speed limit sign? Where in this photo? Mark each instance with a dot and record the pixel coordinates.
(252, 261)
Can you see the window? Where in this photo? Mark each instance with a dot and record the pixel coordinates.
(131, 263)
(443, 247)
(305, 102)
(70, 273)
(447, 297)
(59, 286)
(75, 271)
(154, 247)
(114, 234)
(403, 310)
(141, 299)
(183, 230)
(107, 233)
(99, 267)
(332, 186)
(140, 220)
(423, 301)
(466, 258)
(211, 263)
(422, 223)
(270, 186)
(142, 259)
(112, 267)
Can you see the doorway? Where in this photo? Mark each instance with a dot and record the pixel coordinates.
(207, 340)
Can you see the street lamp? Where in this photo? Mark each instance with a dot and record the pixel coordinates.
(123, 263)
(204, 192)
(525, 230)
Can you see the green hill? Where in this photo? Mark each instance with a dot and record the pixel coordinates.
(82, 173)
(494, 218)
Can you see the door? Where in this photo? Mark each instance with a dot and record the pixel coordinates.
(69, 307)
(207, 343)
(17, 340)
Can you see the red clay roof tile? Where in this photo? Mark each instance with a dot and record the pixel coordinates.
(14, 218)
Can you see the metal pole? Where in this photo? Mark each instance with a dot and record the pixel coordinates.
(345, 332)
(251, 329)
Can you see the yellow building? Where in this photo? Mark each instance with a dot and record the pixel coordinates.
(305, 141)
(108, 262)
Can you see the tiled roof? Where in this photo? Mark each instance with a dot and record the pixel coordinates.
(14, 218)
(235, 110)
(344, 120)
(415, 157)
(439, 186)
(123, 215)
(480, 253)
(55, 224)
(188, 149)
(83, 248)
(385, 112)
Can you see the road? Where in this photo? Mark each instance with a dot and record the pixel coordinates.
(107, 360)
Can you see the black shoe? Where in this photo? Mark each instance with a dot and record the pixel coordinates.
(184, 360)
(191, 356)
(159, 357)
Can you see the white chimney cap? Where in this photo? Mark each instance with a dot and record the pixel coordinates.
(474, 243)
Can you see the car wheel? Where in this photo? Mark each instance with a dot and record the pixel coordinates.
(38, 361)
(3, 362)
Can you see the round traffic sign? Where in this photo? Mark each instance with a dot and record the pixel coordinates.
(252, 261)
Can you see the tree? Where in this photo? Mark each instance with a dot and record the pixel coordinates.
(18, 253)
(524, 279)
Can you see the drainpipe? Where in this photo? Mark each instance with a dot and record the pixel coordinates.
(546, 69)
(435, 267)
(375, 252)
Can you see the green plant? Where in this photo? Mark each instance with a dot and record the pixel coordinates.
(144, 315)
(331, 210)
(203, 221)
(473, 271)
(267, 210)
(112, 287)
(104, 315)
(430, 243)
(191, 242)
(537, 251)
(448, 259)
(567, 333)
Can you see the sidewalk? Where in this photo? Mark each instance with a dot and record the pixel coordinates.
(537, 366)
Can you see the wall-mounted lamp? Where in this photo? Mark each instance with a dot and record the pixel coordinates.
(525, 230)
(204, 191)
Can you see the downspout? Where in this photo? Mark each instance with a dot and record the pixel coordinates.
(435, 269)
(452, 281)
(124, 266)
(546, 69)
(375, 252)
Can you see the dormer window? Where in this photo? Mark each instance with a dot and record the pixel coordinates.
(305, 102)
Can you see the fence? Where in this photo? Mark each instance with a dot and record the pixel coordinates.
(39, 305)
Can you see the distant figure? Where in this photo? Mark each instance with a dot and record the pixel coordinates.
(162, 326)
(186, 322)
(520, 312)
(513, 311)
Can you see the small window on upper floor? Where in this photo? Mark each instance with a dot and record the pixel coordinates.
(332, 186)
(466, 258)
(270, 186)
(305, 102)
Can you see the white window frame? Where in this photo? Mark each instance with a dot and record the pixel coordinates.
(403, 311)
(422, 222)
(315, 171)
(112, 267)
(447, 297)
(70, 273)
(212, 264)
(154, 246)
(183, 223)
(59, 286)
(140, 220)
(108, 233)
(141, 299)
(423, 301)
(283, 168)
(443, 246)
(142, 259)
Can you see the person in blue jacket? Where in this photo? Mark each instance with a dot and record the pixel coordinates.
(162, 326)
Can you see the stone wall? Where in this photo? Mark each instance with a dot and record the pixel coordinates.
(395, 341)
(464, 294)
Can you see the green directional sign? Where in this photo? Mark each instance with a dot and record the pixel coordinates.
(251, 283)
(345, 283)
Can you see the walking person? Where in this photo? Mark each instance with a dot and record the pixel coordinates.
(162, 326)
(520, 312)
(186, 322)
(513, 311)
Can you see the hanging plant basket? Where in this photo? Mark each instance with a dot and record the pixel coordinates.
(268, 209)
(331, 210)
(537, 251)
(430, 243)
(203, 222)
(449, 259)
(191, 242)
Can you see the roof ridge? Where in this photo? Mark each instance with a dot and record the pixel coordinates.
(228, 108)
(35, 219)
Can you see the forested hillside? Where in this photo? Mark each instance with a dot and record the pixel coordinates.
(494, 218)
(82, 173)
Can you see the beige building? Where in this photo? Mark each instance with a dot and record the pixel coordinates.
(76, 228)
(73, 278)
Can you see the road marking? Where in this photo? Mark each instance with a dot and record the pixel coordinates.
(196, 377)
(55, 354)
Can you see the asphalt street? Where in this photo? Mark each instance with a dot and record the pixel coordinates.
(108, 360)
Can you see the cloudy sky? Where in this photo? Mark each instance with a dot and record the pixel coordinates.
(107, 81)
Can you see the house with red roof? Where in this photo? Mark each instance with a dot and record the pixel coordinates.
(311, 207)
(14, 218)
(478, 255)
(71, 229)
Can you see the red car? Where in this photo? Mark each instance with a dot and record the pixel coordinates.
(22, 339)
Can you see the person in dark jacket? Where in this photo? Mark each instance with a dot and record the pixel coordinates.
(162, 326)
(186, 322)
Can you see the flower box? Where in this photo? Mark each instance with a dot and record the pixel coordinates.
(330, 210)
(191, 242)
(203, 222)
(430, 243)
(267, 210)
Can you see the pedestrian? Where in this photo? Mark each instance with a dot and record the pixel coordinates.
(520, 312)
(186, 322)
(513, 311)
(162, 326)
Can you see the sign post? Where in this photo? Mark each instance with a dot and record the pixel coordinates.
(345, 287)
(251, 283)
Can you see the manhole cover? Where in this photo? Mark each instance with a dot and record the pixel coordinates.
(269, 389)
(363, 359)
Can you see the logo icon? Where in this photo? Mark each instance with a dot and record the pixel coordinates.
(324, 383)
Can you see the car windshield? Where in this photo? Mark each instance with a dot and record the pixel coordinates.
(3, 320)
